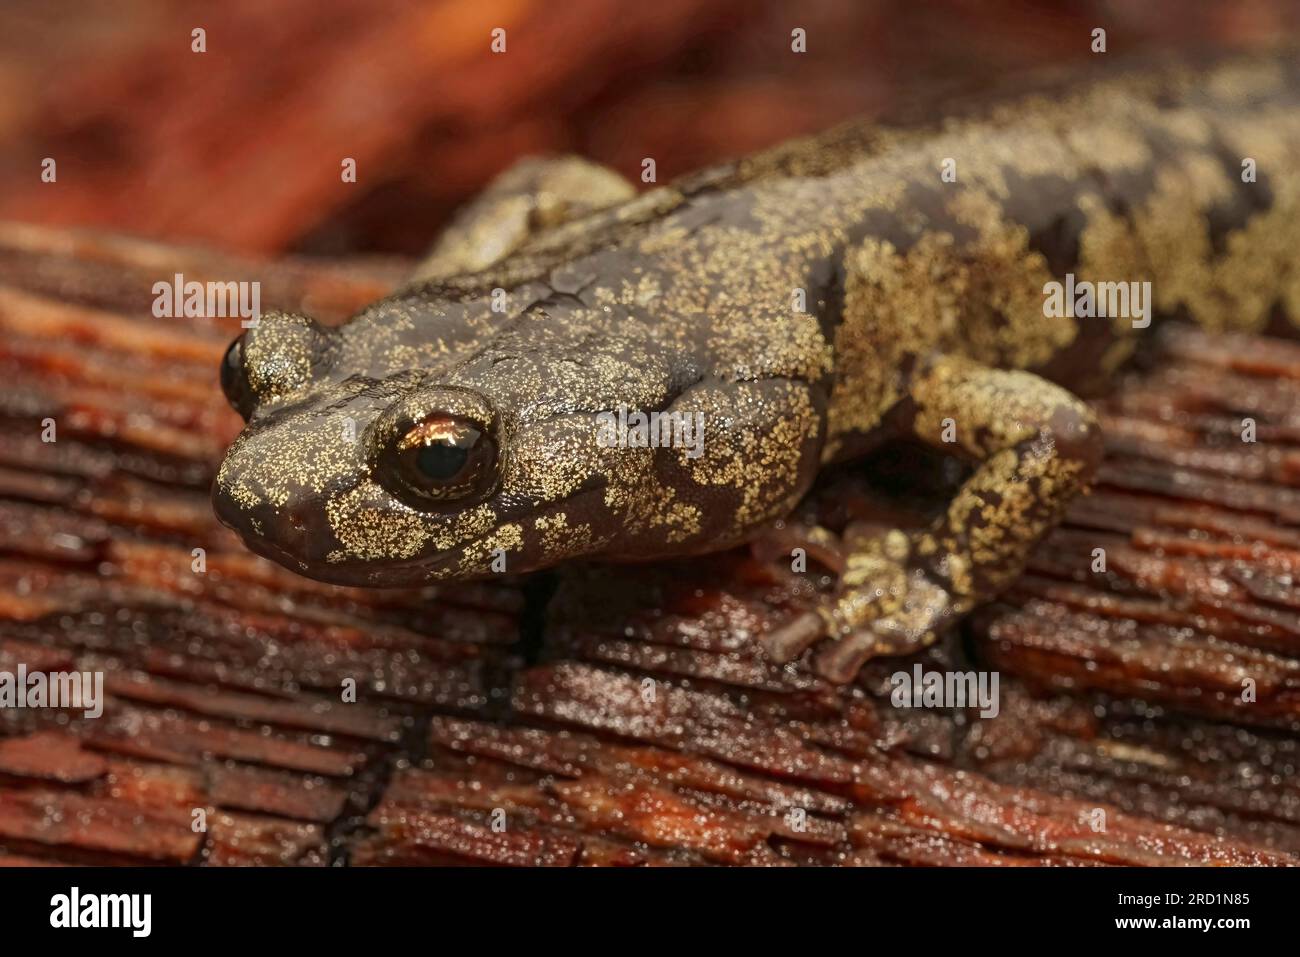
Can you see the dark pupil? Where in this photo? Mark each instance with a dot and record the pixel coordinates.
(441, 462)
(232, 378)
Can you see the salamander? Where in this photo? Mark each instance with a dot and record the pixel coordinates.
(802, 306)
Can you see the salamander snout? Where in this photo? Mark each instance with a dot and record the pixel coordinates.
(296, 535)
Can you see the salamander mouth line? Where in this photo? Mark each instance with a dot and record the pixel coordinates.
(270, 550)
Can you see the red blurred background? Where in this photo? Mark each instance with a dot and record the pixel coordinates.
(241, 146)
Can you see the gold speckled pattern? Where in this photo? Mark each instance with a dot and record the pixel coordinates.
(806, 303)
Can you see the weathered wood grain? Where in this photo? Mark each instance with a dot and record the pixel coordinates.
(639, 723)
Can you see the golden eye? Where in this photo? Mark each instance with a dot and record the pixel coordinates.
(441, 459)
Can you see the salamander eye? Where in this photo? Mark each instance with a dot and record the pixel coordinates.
(278, 355)
(234, 380)
(440, 459)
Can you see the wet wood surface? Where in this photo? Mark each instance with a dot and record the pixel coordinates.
(632, 718)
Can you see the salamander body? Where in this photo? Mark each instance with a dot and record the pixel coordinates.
(797, 308)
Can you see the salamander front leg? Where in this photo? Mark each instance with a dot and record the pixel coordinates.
(1037, 447)
(532, 195)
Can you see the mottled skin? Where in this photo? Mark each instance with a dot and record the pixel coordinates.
(922, 301)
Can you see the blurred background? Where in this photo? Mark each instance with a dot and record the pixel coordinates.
(240, 146)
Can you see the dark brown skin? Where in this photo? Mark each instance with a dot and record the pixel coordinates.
(807, 303)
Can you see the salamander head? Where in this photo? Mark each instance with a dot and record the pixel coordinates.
(379, 466)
